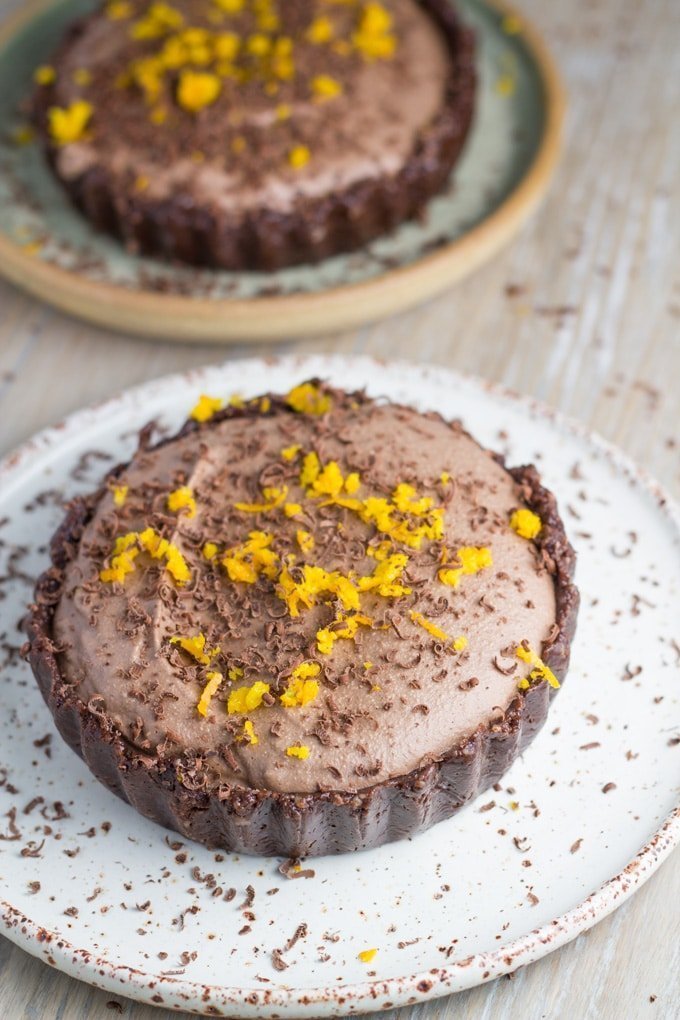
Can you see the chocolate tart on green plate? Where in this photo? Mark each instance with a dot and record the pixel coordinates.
(308, 624)
(255, 134)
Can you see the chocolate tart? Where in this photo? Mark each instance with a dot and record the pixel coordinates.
(355, 622)
(274, 135)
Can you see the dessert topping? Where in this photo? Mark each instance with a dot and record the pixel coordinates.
(374, 38)
(540, 671)
(273, 498)
(458, 643)
(472, 559)
(342, 627)
(298, 157)
(298, 751)
(195, 647)
(248, 735)
(290, 452)
(182, 499)
(308, 399)
(127, 547)
(214, 680)
(526, 523)
(197, 89)
(325, 87)
(44, 75)
(119, 10)
(247, 561)
(312, 582)
(205, 408)
(305, 540)
(247, 699)
(119, 493)
(302, 687)
(69, 124)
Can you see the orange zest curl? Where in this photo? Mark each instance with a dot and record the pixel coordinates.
(308, 398)
(302, 687)
(249, 736)
(119, 10)
(289, 453)
(127, 547)
(298, 157)
(69, 124)
(247, 699)
(195, 647)
(342, 627)
(214, 680)
(182, 499)
(205, 407)
(298, 751)
(311, 468)
(121, 561)
(374, 38)
(312, 584)
(325, 87)
(159, 19)
(197, 89)
(273, 498)
(305, 540)
(320, 30)
(407, 518)
(44, 75)
(526, 523)
(246, 562)
(385, 578)
(119, 493)
(540, 671)
(471, 558)
(458, 643)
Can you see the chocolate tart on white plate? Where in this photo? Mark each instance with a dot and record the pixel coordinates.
(308, 624)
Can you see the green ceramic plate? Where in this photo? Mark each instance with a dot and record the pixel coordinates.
(48, 248)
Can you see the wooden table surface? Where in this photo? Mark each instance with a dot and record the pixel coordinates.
(583, 311)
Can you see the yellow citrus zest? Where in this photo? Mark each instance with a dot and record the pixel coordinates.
(214, 680)
(526, 523)
(247, 699)
(182, 499)
(195, 647)
(471, 558)
(343, 627)
(205, 408)
(298, 751)
(302, 687)
(69, 124)
(539, 671)
(308, 398)
(458, 643)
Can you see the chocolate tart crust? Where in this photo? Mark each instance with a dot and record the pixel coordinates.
(176, 229)
(264, 822)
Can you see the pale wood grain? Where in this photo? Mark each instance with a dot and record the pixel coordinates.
(595, 331)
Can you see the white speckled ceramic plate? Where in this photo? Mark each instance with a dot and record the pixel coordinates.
(578, 824)
(49, 249)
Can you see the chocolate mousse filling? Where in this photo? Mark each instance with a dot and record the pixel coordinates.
(255, 136)
(309, 624)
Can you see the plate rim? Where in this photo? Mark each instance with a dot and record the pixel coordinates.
(219, 320)
(401, 990)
